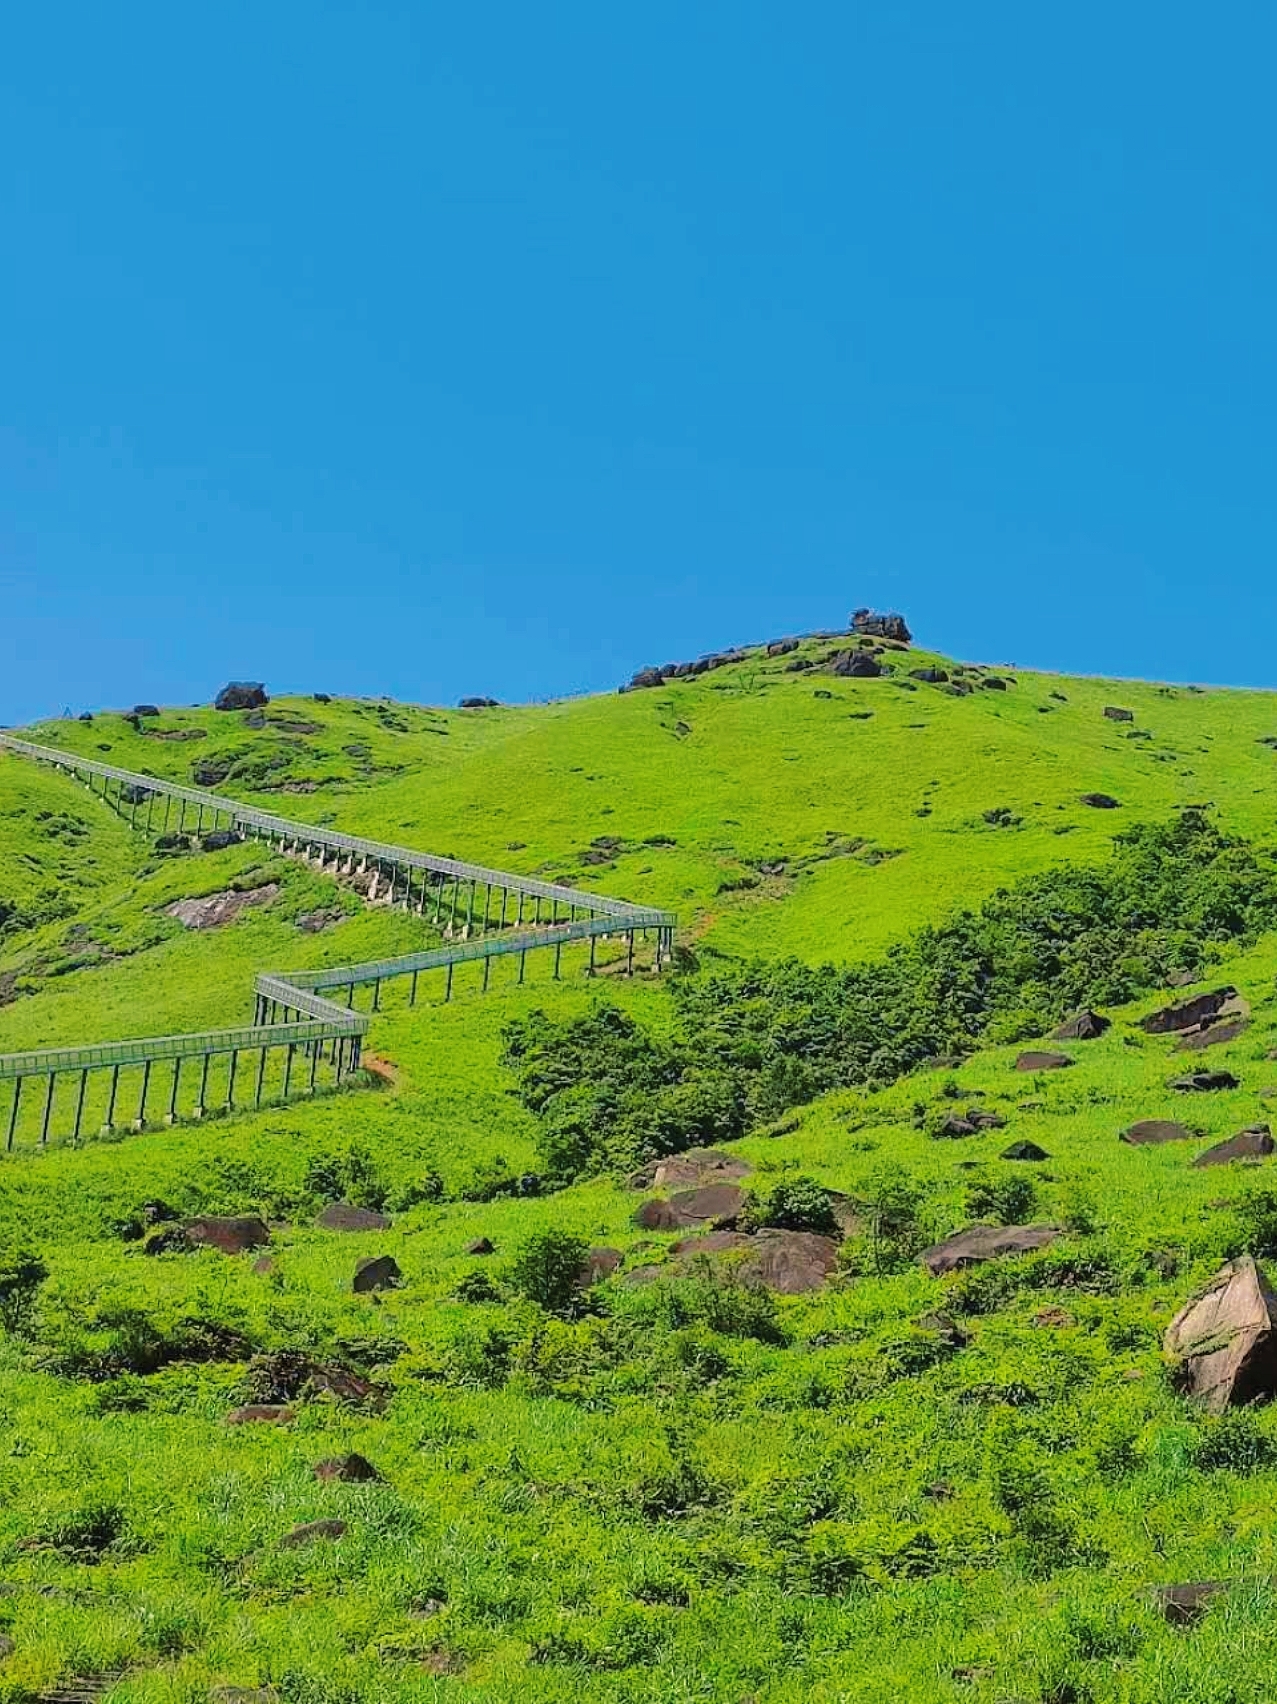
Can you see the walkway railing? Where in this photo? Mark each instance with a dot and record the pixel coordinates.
(294, 1021)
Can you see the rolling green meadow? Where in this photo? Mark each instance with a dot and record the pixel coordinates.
(682, 1489)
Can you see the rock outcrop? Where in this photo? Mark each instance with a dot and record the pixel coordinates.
(1224, 1341)
(978, 1243)
(242, 695)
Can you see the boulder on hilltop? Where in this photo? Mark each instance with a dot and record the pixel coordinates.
(242, 695)
(876, 626)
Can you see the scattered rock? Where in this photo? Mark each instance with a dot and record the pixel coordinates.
(1205, 1082)
(859, 665)
(782, 647)
(1041, 1060)
(1085, 1025)
(954, 1128)
(1148, 1132)
(1189, 1014)
(599, 1263)
(480, 1245)
(145, 710)
(980, 1118)
(1255, 1143)
(314, 922)
(220, 838)
(994, 683)
(219, 908)
(1115, 714)
(378, 1272)
(1184, 1606)
(1101, 801)
(1024, 1151)
(264, 1266)
(687, 1170)
(1224, 1340)
(261, 1413)
(242, 695)
(986, 1242)
(231, 1235)
(714, 1203)
(933, 677)
(479, 703)
(311, 1532)
(341, 1216)
(874, 626)
(348, 1469)
(1058, 1318)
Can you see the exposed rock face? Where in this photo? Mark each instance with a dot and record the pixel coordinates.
(714, 1204)
(231, 1236)
(1225, 1339)
(782, 647)
(874, 626)
(1085, 1025)
(791, 1263)
(347, 1469)
(1205, 1082)
(689, 1169)
(341, 1216)
(1024, 1151)
(242, 695)
(1212, 1035)
(994, 683)
(1100, 801)
(217, 909)
(1188, 1014)
(1115, 714)
(1256, 1143)
(986, 1242)
(1040, 1060)
(1148, 1132)
(378, 1272)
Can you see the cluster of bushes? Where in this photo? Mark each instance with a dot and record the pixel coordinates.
(754, 1039)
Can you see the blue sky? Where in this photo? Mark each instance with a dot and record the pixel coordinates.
(502, 349)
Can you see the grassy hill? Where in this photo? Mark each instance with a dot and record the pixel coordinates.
(894, 1486)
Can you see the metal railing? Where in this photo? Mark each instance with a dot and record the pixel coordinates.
(324, 1027)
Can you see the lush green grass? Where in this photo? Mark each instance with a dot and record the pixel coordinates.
(639, 1504)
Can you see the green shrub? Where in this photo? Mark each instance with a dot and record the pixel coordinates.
(1002, 1200)
(21, 1275)
(794, 1204)
(547, 1270)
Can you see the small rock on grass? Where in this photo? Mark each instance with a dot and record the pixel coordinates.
(348, 1469)
(985, 1242)
(1085, 1025)
(1024, 1151)
(1256, 1143)
(1148, 1132)
(378, 1272)
(261, 1413)
(1184, 1606)
(310, 1532)
(341, 1216)
(480, 1245)
(1042, 1060)
(1205, 1082)
(231, 1236)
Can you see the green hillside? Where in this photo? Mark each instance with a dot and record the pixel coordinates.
(678, 1486)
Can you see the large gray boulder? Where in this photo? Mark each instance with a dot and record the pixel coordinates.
(1224, 1341)
(985, 1242)
(242, 695)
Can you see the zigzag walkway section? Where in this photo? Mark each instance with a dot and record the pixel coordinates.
(307, 1032)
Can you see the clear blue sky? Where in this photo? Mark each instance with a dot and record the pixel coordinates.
(504, 348)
